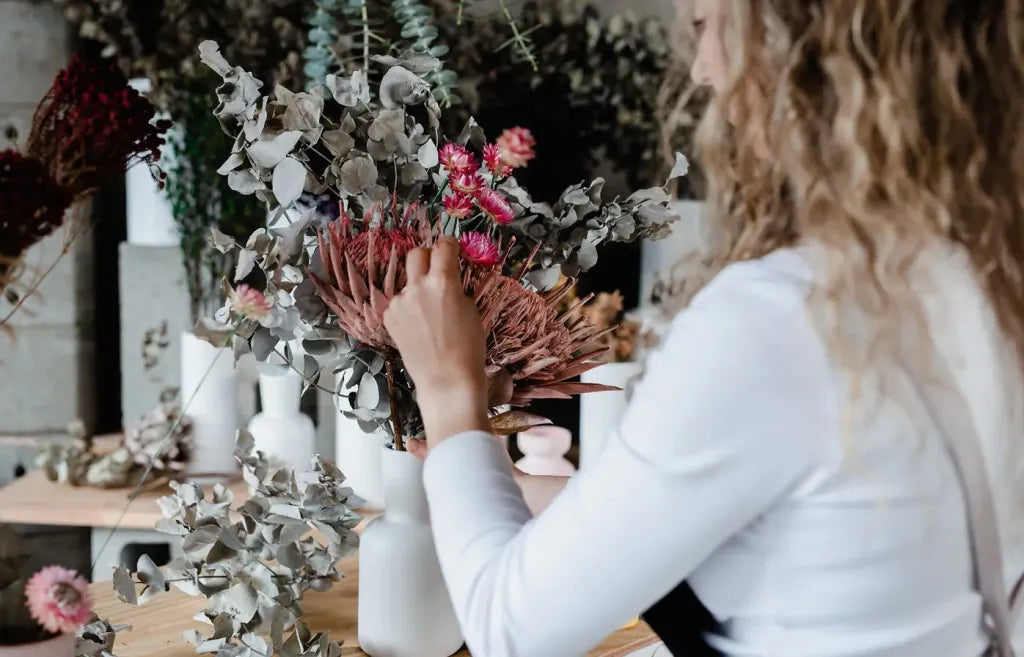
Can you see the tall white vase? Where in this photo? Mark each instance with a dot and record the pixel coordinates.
(214, 408)
(280, 429)
(358, 455)
(150, 219)
(659, 256)
(601, 412)
(404, 607)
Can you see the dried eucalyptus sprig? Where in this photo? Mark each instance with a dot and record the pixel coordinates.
(254, 571)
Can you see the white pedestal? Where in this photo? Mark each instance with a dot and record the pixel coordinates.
(111, 555)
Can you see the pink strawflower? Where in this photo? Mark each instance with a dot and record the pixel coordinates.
(494, 163)
(457, 159)
(479, 249)
(458, 205)
(466, 183)
(516, 147)
(58, 599)
(249, 302)
(495, 206)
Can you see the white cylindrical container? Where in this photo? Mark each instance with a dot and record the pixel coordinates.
(282, 431)
(601, 412)
(357, 454)
(404, 607)
(150, 218)
(212, 405)
(544, 450)
(659, 256)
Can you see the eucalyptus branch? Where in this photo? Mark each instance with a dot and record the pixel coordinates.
(518, 37)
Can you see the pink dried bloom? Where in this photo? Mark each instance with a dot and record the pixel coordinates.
(466, 183)
(457, 159)
(495, 206)
(58, 599)
(516, 147)
(494, 163)
(249, 302)
(479, 249)
(458, 205)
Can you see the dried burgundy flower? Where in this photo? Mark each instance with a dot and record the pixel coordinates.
(91, 126)
(516, 147)
(32, 205)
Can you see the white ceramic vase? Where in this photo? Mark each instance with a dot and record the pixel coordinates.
(601, 412)
(214, 407)
(544, 450)
(404, 607)
(358, 454)
(660, 256)
(150, 218)
(62, 645)
(282, 431)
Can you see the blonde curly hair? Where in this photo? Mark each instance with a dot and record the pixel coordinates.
(891, 124)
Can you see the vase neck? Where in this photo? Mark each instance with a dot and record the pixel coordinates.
(404, 495)
(280, 395)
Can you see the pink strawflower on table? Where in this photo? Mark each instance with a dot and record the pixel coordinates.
(457, 159)
(516, 147)
(495, 206)
(249, 302)
(466, 183)
(479, 249)
(494, 163)
(58, 599)
(458, 205)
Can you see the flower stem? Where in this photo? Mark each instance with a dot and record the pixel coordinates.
(458, 16)
(396, 423)
(518, 37)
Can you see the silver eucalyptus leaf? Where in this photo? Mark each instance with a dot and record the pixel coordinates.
(244, 182)
(681, 168)
(338, 142)
(124, 586)
(358, 176)
(234, 161)
(289, 181)
(268, 153)
(428, 155)
(401, 87)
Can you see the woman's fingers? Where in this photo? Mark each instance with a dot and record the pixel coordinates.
(417, 447)
(417, 264)
(444, 259)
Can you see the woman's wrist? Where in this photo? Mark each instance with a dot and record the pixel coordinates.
(449, 412)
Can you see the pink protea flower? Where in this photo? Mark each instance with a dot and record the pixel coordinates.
(495, 206)
(249, 302)
(494, 163)
(58, 599)
(457, 159)
(458, 205)
(479, 249)
(516, 147)
(466, 183)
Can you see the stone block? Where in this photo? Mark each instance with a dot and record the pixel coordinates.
(64, 297)
(47, 379)
(33, 47)
(154, 307)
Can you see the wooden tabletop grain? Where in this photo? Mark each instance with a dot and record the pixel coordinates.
(160, 624)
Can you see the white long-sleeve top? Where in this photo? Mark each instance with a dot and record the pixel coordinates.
(732, 469)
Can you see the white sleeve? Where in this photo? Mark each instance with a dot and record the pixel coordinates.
(721, 427)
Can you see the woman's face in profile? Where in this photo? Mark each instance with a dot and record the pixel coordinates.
(710, 66)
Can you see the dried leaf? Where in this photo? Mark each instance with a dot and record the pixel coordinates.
(681, 168)
(124, 586)
(512, 422)
(268, 153)
(244, 182)
(289, 181)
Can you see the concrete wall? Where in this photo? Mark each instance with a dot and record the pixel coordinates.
(46, 371)
(665, 8)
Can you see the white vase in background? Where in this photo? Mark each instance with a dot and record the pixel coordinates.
(62, 645)
(282, 431)
(544, 450)
(150, 218)
(659, 256)
(404, 607)
(601, 412)
(357, 453)
(214, 407)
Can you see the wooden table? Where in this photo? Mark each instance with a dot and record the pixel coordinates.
(35, 500)
(159, 624)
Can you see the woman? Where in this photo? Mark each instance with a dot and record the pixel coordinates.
(785, 454)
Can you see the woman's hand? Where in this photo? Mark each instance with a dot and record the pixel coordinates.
(437, 330)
